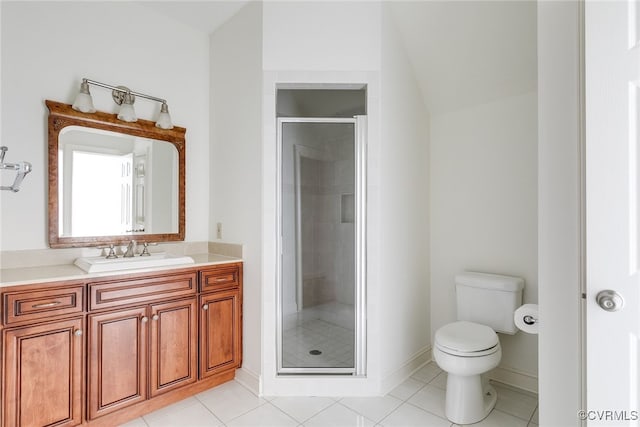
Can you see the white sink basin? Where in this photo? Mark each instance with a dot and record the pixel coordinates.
(97, 264)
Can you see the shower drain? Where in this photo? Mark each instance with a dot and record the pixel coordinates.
(315, 352)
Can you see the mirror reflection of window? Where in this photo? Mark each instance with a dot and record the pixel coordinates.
(95, 198)
(114, 184)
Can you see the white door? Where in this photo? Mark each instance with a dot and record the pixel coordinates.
(612, 71)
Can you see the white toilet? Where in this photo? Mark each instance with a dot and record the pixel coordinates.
(468, 348)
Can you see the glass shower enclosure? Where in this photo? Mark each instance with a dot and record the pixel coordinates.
(321, 295)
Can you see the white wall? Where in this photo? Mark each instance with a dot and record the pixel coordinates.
(331, 43)
(47, 47)
(404, 215)
(321, 36)
(484, 208)
(236, 157)
(559, 212)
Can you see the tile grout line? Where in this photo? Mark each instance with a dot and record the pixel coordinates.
(244, 413)
(356, 412)
(532, 414)
(321, 411)
(210, 410)
(412, 394)
(511, 415)
(435, 415)
(284, 412)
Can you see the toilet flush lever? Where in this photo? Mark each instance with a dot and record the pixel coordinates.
(609, 300)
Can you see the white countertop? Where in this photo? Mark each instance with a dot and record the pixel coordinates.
(56, 273)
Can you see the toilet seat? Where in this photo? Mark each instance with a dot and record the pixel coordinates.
(467, 339)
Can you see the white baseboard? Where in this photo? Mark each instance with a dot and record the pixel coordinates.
(515, 378)
(249, 379)
(397, 377)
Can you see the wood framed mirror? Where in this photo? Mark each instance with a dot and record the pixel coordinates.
(112, 181)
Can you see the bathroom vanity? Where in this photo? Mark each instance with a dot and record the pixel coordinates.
(101, 349)
(130, 332)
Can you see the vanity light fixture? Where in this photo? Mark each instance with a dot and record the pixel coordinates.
(124, 97)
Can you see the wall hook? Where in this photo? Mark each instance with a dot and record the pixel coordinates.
(21, 168)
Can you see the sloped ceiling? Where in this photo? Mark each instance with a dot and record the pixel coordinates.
(463, 53)
(205, 16)
(469, 52)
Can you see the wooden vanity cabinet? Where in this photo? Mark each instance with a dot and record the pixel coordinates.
(43, 344)
(174, 345)
(220, 342)
(106, 351)
(220, 319)
(138, 353)
(43, 374)
(117, 360)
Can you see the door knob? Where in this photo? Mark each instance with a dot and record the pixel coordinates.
(609, 300)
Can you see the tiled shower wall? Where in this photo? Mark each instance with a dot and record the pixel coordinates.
(328, 245)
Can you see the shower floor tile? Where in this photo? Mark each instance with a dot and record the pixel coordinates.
(317, 343)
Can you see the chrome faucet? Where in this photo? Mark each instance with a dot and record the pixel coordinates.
(130, 252)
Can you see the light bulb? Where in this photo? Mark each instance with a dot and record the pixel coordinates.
(127, 113)
(164, 119)
(83, 101)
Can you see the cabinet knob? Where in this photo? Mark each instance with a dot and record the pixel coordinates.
(155, 317)
(144, 319)
(78, 333)
(205, 307)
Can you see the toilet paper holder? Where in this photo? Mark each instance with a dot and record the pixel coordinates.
(529, 319)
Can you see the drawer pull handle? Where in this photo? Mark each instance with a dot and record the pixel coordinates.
(78, 333)
(47, 304)
(155, 317)
(223, 279)
(144, 319)
(205, 307)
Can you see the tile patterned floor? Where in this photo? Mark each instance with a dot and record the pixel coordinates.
(327, 328)
(419, 402)
(335, 343)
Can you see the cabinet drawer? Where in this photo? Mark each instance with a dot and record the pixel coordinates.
(221, 277)
(146, 289)
(34, 305)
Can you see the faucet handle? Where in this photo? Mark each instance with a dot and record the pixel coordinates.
(112, 252)
(145, 250)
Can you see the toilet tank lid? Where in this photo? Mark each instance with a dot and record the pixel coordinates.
(490, 281)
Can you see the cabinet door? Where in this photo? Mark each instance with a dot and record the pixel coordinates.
(174, 341)
(220, 332)
(43, 374)
(117, 362)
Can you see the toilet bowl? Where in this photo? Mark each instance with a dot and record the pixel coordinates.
(466, 350)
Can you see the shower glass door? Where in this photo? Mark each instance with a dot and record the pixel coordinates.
(321, 283)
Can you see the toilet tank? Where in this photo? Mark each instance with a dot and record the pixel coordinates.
(489, 299)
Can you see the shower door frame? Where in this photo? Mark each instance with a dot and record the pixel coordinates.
(360, 147)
